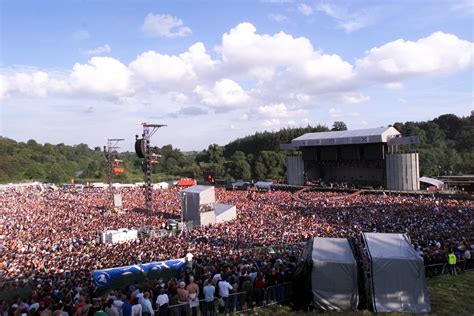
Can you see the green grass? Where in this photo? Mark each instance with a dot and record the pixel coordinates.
(449, 296)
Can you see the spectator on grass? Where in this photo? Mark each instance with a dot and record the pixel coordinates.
(452, 263)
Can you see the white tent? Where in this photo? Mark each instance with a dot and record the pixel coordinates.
(161, 185)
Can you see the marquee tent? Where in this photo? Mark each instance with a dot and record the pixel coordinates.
(397, 282)
(334, 274)
(329, 265)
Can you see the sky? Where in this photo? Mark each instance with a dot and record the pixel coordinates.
(83, 71)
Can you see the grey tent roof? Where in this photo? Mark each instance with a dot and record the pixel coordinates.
(332, 250)
(357, 136)
(263, 184)
(334, 274)
(390, 246)
(220, 208)
(397, 274)
(198, 188)
(431, 181)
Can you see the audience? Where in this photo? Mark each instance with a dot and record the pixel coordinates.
(50, 242)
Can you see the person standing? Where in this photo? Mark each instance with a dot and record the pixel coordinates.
(127, 307)
(110, 309)
(162, 301)
(224, 288)
(136, 307)
(145, 302)
(193, 290)
(209, 290)
(183, 298)
(452, 263)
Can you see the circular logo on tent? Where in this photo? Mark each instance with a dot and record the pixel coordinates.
(102, 279)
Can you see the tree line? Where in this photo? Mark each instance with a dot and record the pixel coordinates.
(447, 147)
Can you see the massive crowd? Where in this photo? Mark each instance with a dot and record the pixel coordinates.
(50, 237)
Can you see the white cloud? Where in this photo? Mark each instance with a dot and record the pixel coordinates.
(353, 98)
(338, 113)
(249, 69)
(279, 111)
(439, 53)
(264, 56)
(100, 50)
(305, 9)
(277, 17)
(31, 84)
(271, 122)
(465, 7)
(102, 75)
(4, 87)
(169, 71)
(224, 93)
(165, 25)
(244, 117)
(348, 20)
(180, 98)
(335, 113)
(394, 86)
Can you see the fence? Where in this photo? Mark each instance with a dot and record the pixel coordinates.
(436, 269)
(239, 302)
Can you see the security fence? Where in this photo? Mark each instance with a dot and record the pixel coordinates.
(436, 269)
(239, 302)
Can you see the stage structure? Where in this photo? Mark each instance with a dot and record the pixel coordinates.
(198, 205)
(150, 156)
(110, 153)
(376, 157)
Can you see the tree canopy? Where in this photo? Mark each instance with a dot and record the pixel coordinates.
(447, 147)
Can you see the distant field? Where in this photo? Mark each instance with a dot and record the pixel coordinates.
(449, 296)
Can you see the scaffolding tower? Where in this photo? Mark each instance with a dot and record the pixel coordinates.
(110, 152)
(150, 158)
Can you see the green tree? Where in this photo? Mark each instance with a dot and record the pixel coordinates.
(215, 153)
(240, 167)
(339, 126)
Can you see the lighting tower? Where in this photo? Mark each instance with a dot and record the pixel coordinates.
(150, 158)
(110, 152)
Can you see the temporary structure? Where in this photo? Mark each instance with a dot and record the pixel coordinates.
(334, 275)
(329, 266)
(397, 275)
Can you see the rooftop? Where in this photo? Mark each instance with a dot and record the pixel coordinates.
(356, 136)
(198, 188)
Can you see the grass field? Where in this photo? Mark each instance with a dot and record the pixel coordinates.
(449, 296)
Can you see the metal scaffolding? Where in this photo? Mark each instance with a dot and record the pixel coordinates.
(150, 157)
(110, 152)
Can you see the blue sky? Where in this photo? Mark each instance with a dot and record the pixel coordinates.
(82, 71)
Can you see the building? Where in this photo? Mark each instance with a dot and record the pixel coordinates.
(365, 157)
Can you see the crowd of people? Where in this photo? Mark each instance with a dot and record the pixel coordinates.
(50, 240)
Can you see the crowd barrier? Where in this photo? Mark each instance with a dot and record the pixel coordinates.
(239, 302)
(436, 269)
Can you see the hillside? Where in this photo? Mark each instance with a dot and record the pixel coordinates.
(268, 140)
(447, 147)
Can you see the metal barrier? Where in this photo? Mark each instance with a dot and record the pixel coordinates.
(436, 269)
(239, 302)
(277, 294)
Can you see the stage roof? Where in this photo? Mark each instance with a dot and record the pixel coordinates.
(198, 188)
(357, 136)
